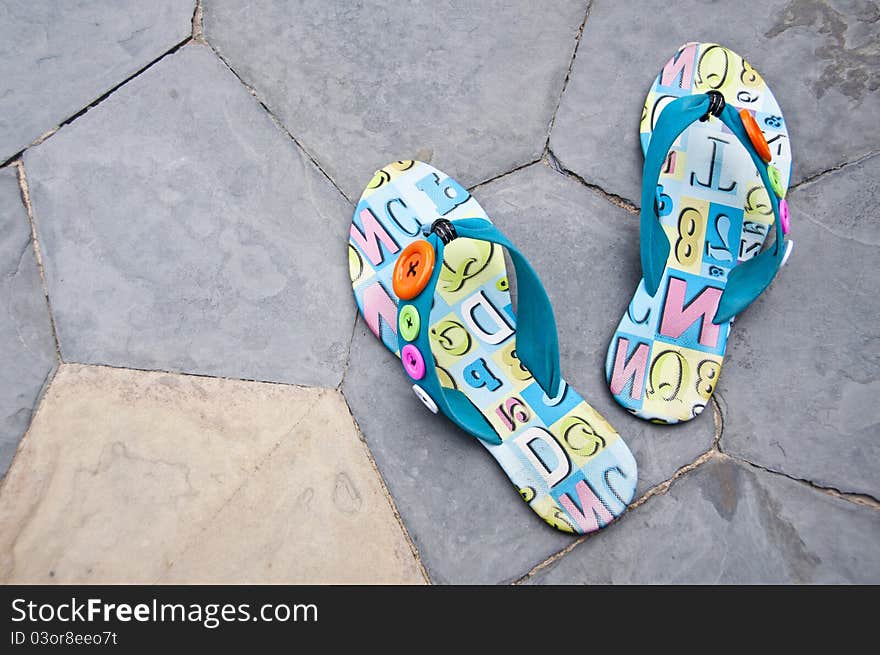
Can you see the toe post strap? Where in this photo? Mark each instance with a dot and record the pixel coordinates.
(747, 280)
(536, 339)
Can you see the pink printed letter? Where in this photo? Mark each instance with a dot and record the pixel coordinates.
(591, 510)
(634, 369)
(378, 303)
(677, 318)
(373, 234)
(683, 65)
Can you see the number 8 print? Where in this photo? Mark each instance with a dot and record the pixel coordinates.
(686, 250)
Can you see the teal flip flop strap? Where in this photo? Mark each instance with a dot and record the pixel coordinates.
(747, 280)
(537, 344)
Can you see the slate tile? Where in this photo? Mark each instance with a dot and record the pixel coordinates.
(211, 481)
(819, 58)
(27, 347)
(471, 87)
(730, 523)
(800, 382)
(182, 230)
(56, 58)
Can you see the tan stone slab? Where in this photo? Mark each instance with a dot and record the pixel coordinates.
(129, 476)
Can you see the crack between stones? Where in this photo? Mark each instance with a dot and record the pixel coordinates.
(495, 178)
(29, 210)
(828, 171)
(718, 416)
(613, 198)
(198, 375)
(387, 493)
(97, 101)
(348, 353)
(577, 43)
(198, 33)
(280, 125)
(862, 499)
(657, 490)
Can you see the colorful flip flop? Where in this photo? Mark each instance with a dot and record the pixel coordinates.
(429, 278)
(717, 167)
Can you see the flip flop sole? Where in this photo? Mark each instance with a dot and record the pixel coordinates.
(666, 355)
(566, 461)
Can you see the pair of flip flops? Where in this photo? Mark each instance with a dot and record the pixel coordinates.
(429, 277)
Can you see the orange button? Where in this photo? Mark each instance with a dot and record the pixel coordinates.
(413, 269)
(756, 136)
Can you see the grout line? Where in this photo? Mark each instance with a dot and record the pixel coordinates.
(556, 164)
(348, 353)
(828, 171)
(281, 125)
(858, 498)
(577, 44)
(613, 198)
(864, 500)
(495, 178)
(38, 255)
(387, 492)
(198, 33)
(199, 375)
(718, 417)
(96, 102)
(128, 79)
(658, 489)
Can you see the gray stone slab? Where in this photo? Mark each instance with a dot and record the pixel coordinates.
(27, 347)
(800, 384)
(58, 57)
(469, 86)
(820, 58)
(466, 519)
(183, 231)
(730, 523)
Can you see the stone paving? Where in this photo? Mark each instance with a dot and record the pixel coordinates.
(186, 394)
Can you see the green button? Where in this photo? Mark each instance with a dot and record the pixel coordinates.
(408, 322)
(501, 284)
(776, 181)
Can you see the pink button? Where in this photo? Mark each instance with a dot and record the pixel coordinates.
(784, 218)
(413, 362)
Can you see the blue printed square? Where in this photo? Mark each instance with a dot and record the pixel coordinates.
(603, 473)
(641, 314)
(550, 413)
(723, 231)
(479, 377)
